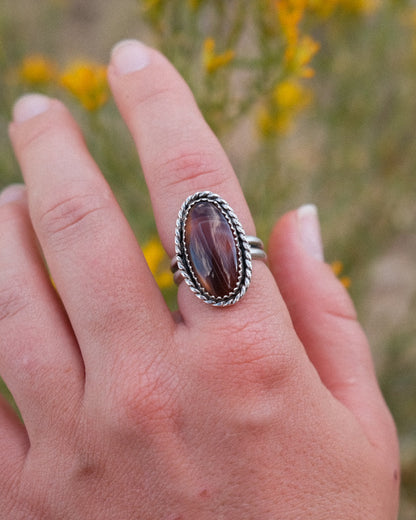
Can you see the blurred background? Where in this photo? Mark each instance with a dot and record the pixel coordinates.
(314, 101)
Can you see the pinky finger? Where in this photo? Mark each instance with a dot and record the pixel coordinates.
(324, 318)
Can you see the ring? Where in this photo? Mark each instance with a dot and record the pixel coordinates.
(213, 253)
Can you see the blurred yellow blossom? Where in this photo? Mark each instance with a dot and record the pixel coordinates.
(213, 61)
(289, 97)
(88, 83)
(300, 49)
(337, 268)
(158, 263)
(301, 57)
(290, 14)
(37, 70)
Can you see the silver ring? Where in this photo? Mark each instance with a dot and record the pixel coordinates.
(213, 253)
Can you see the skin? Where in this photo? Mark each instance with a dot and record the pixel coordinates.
(269, 409)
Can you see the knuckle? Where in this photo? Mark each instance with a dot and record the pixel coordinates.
(86, 465)
(71, 214)
(197, 170)
(12, 299)
(251, 354)
(149, 401)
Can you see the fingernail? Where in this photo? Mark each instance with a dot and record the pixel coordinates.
(129, 56)
(310, 231)
(30, 105)
(12, 193)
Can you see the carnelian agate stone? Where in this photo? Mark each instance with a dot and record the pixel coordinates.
(211, 248)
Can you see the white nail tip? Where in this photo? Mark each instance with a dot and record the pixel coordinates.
(130, 56)
(29, 106)
(307, 209)
(310, 231)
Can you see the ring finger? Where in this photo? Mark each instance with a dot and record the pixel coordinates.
(179, 153)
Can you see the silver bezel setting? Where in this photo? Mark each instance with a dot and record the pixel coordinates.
(242, 247)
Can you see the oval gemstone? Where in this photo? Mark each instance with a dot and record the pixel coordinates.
(212, 249)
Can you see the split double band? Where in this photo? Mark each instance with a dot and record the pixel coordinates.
(213, 253)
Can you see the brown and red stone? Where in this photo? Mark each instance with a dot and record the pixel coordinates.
(211, 248)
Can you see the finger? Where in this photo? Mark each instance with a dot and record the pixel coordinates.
(39, 357)
(95, 261)
(179, 153)
(324, 317)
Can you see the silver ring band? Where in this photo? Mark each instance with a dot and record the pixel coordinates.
(213, 253)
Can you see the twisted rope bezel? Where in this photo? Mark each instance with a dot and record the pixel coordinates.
(241, 243)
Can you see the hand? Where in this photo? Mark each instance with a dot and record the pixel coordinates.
(268, 409)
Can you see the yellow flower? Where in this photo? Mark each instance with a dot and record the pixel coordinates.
(37, 70)
(300, 49)
(302, 55)
(213, 61)
(291, 95)
(346, 281)
(290, 14)
(337, 268)
(288, 98)
(158, 263)
(88, 83)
